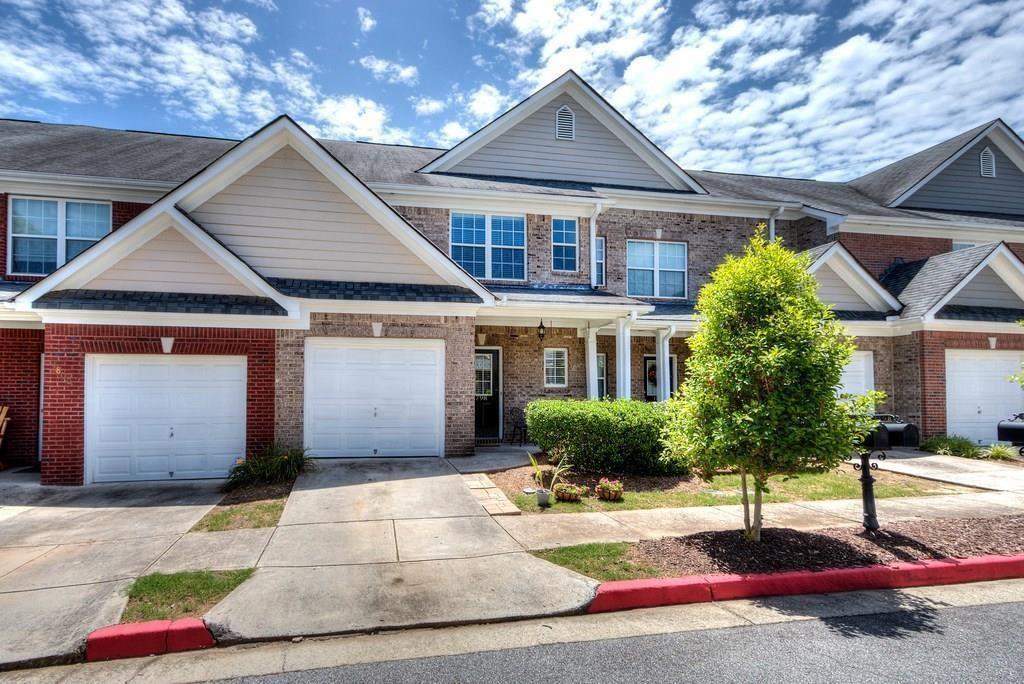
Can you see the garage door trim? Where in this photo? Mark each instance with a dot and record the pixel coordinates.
(376, 343)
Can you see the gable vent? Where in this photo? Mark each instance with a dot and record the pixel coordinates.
(988, 163)
(565, 124)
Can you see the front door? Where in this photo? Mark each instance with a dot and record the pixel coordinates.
(487, 365)
(651, 376)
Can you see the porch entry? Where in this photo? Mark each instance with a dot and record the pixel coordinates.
(487, 376)
(651, 376)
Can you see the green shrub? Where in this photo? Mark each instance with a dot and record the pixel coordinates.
(951, 445)
(274, 464)
(601, 436)
(1000, 452)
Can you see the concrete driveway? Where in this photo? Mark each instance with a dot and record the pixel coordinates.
(368, 545)
(67, 555)
(983, 474)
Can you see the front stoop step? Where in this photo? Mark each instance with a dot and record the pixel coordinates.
(489, 495)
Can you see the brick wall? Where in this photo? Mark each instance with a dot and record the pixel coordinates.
(456, 331)
(803, 233)
(708, 238)
(882, 352)
(64, 379)
(20, 350)
(121, 213)
(877, 252)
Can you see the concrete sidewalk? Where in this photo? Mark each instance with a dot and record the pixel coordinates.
(548, 530)
(970, 472)
(379, 544)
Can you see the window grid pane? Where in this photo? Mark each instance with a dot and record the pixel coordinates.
(508, 231)
(599, 261)
(507, 263)
(640, 282)
(555, 367)
(602, 375)
(471, 259)
(468, 229)
(640, 254)
(672, 256)
(563, 258)
(75, 247)
(34, 255)
(33, 217)
(87, 220)
(563, 244)
(672, 284)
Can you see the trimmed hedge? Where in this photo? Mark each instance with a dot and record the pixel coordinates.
(602, 436)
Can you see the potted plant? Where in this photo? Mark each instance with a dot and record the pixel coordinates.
(609, 490)
(565, 491)
(544, 494)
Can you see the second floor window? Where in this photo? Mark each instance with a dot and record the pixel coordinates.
(564, 240)
(488, 246)
(47, 233)
(656, 269)
(599, 262)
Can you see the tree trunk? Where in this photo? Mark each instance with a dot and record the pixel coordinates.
(755, 530)
(746, 502)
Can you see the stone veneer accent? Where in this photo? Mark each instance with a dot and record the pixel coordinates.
(456, 331)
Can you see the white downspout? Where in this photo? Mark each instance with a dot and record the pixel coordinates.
(593, 246)
(771, 222)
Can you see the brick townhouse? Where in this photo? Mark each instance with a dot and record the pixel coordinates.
(169, 303)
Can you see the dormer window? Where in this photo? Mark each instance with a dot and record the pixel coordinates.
(565, 124)
(988, 163)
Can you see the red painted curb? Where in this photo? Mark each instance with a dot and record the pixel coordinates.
(135, 639)
(628, 594)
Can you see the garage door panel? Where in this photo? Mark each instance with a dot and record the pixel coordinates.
(980, 393)
(374, 397)
(164, 417)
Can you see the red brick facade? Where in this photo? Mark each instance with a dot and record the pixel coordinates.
(877, 252)
(20, 350)
(64, 381)
(120, 214)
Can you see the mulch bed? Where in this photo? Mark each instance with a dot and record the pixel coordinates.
(256, 493)
(781, 550)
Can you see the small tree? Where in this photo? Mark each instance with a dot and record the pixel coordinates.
(760, 395)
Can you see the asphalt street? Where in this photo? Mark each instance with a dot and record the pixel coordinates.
(918, 643)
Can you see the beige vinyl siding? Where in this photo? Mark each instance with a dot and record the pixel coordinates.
(833, 290)
(961, 187)
(169, 262)
(286, 220)
(530, 150)
(987, 289)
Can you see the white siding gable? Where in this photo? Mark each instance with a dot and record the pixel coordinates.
(286, 220)
(987, 289)
(530, 150)
(833, 290)
(169, 262)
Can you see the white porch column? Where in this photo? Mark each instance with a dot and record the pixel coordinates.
(662, 361)
(623, 358)
(592, 363)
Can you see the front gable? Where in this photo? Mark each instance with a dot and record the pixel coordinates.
(960, 186)
(588, 154)
(845, 285)
(287, 220)
(987, 289)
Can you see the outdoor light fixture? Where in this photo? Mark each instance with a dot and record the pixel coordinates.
(540, 329)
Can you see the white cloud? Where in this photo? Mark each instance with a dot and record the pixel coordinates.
(366, 20)
(451, 133)
(486, 102)
(268, 5)
(392, 72)
(353, 118)
(427, 106)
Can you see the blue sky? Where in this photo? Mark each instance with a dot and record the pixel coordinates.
(805, 88)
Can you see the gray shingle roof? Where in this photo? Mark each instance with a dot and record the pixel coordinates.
(161, 302)
(9, 288)
(920, 285)
(392, 292)
(672, 310)
(561, 294)
(995, 314)
(889, 182)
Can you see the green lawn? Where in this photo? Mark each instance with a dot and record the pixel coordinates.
(181, 594)
(246, 508)
(725, 489)
(603, 562)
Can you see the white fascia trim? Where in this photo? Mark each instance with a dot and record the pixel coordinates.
(860, 281)
(695, 204)
(82, 187)
(1005, 264)
(485, 200)
(1002, 136)
(155, 318)
(832, 220)
(572, 85)
(309, 306)
(954, 230)
(566, 309)
(283, 131)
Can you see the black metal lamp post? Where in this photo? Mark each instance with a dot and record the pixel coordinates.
(877, 440)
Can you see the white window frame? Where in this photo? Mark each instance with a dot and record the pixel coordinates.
(572, 122)
(576, 245)
(981, 163)
(489, 244)
(60, 237)
(565, 353)
(601, 258)
(657, 269)
(602, 375)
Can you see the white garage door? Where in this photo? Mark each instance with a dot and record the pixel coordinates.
(859, 375)
(374, 397)
(163, 417)
(979, 392)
